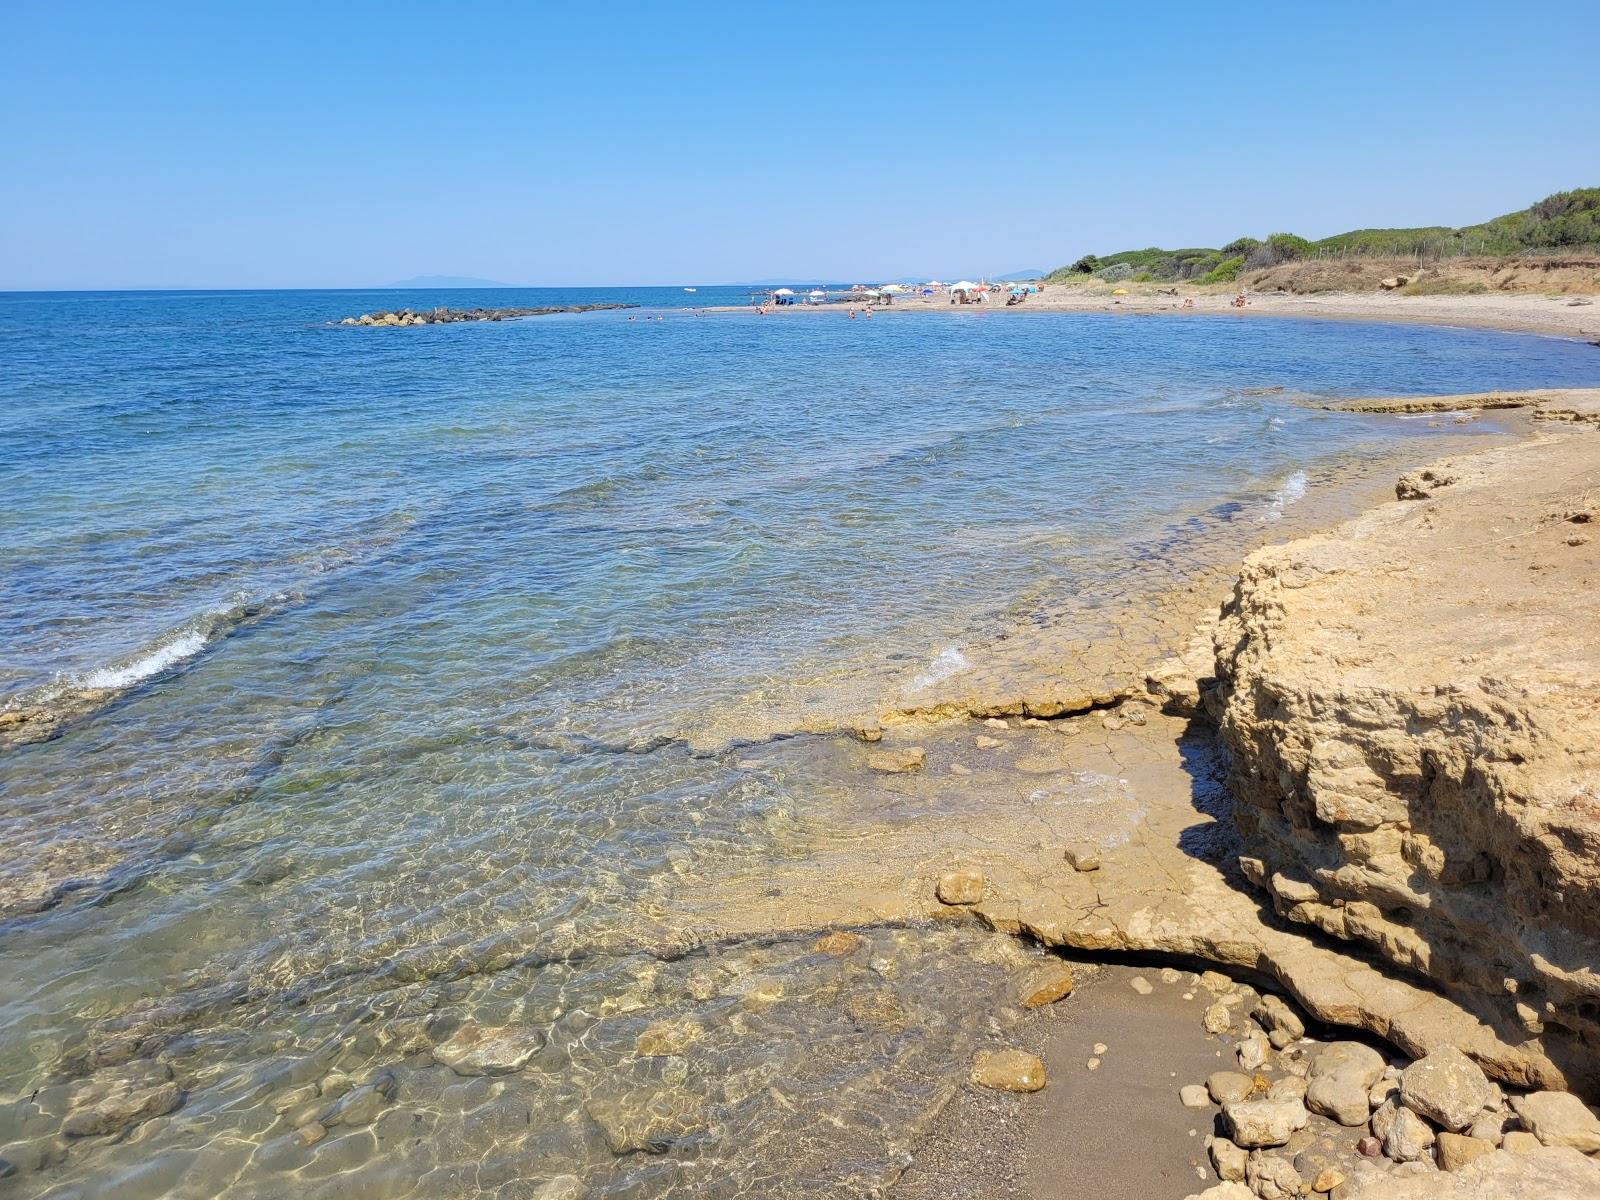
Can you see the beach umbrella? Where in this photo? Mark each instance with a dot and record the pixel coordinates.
(894, 288)
(819, 294)
(966, 285)
(784, 292)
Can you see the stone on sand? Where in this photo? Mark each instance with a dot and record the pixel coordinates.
(1229, 1159)
(1272, 1178)
(1047, 985)
(1218, 1019)
(1141, 985)
(1256, 1123)
(1194, 1095)
(1229, 1087)
(1007, 1071)
(985, 742)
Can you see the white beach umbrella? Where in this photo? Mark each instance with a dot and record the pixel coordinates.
(966, 285)
(784, 292)
(894, 288)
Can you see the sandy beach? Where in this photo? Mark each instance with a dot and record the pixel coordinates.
(1572, 316)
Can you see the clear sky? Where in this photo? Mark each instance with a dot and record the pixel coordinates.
(352, 144)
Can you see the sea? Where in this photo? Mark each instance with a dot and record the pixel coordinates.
(387, 713)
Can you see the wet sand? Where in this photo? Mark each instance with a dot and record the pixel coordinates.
(1118, 1131)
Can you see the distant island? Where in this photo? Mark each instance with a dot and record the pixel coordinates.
(447, 281)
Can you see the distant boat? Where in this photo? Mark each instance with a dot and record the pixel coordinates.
(690, 289)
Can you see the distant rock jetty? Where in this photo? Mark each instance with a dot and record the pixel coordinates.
(448, 316)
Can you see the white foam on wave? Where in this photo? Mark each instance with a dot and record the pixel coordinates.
(949, 661)
(1292, 489)
(142, 667)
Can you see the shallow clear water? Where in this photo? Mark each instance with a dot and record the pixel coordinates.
(412, 663)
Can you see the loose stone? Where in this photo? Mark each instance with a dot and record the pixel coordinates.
(1272, 1178)
(1229, 1087)
(1229, 1159)
(1559, 1119)
(1447, 1087)
(897, 762)
(961, 887)
(1254, 1123)
(1047, 985)
(1455, 1150)
(1141, 985)
(1008, 1071)
(1083, 856)
(1217, 1019)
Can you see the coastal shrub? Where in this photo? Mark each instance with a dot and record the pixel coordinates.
(1224, 272)
(1242, 247)
(1278, 248)
(1116, 273)
(1085, 265)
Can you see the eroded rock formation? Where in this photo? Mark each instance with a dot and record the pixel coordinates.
(1412, 709)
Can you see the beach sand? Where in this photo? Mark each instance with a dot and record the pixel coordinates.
(1520, 312)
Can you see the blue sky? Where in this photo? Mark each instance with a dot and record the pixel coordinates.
(289, 145)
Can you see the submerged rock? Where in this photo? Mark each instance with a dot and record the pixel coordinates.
(475, 1050)
(897, 762)
(121, 1097)
(1047, 985)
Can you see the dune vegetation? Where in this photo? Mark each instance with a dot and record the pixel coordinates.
(1566, 221)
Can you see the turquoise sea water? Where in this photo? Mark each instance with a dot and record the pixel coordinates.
(412, 668)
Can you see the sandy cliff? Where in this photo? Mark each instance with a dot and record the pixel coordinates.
(1412, 709)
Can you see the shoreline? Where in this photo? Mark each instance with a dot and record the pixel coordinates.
(1551, 316)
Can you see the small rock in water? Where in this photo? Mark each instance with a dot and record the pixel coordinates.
(113, 1100)
(838, 944)
(1141, 985)
(870, 733)
(988, 743)
(1194, 1095)
(661, 1039)
(960, 887)
(475, 1050)
(563, 1187)
(1047, 985)
(897, 762)
(1083, 856)
(1007, 1071)
(311, 1133)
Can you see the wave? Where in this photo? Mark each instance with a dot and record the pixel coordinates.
(1291, 490)
(142, 666)
(950, 661)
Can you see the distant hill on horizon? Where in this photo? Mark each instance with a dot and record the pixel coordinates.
(447, 281)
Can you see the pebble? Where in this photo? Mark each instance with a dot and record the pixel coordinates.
(958, 769)
(1100, 1047)
(988, 743)
(1194, 1095)
(1094, 1065)
(1083, 856)
(1141, 985)
(311, 1133)
(997, 723)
